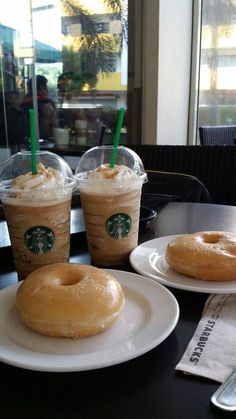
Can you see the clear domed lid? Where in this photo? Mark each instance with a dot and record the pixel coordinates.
(20, 164)
(97, 156)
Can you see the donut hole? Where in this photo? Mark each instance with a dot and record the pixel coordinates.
(72, 279)
(211, 238)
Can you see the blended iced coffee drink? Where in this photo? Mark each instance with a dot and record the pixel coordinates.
(37, 210)
(110, 199)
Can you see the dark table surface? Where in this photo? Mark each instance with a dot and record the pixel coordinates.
(145, 387)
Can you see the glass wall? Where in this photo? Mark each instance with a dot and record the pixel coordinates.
(67, 59)
(217, 89)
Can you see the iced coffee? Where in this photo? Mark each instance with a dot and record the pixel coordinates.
(110, 199)
(37, 210)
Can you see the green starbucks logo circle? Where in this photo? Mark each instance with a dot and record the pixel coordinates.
(118, 226)
(39, 239)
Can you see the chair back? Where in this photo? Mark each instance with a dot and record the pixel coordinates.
(215, 167)
(180, 186)
(218, 135)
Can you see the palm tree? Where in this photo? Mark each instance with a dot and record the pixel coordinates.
(93, 51)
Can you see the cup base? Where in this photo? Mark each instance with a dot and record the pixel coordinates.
(123, 265)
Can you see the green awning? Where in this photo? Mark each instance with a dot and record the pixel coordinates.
(46, 54)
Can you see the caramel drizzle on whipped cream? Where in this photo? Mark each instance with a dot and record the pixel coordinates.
(108, 173)
(45, 178)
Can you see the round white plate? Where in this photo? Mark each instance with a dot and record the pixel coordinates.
(149, 259)
(150, 314)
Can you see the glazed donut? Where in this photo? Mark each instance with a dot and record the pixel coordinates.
(69, 300)
(207, 255)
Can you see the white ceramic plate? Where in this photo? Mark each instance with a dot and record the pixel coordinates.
(150, 314)
(149, 259)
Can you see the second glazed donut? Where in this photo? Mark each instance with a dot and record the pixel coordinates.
(208, 255)
(69, 300)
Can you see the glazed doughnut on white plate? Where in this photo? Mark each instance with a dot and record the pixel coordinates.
(69, 300)
(207, 255)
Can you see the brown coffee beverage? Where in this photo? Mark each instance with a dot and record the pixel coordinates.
(112, 224)
(37, 207)
(40, 235)
(110, 180)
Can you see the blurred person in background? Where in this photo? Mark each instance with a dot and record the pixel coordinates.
(47, 114)
(13, 123)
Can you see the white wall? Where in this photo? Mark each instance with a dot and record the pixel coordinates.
(172, 44)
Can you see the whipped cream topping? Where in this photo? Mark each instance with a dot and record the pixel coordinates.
(45, 178)
(45, 186)
(119, 173)
(109, 180)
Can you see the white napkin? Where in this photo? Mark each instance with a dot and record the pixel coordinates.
(211, 352)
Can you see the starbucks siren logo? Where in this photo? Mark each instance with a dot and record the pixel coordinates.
(118, 226)
(39, 239)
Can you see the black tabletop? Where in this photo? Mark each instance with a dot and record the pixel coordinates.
(145, 387)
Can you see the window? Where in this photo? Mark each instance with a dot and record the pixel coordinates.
(217, 77)
(80, 47)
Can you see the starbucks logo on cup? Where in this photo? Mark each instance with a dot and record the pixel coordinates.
(39, 239)
(118, 226)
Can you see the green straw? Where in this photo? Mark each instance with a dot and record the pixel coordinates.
(33, 141)
(117, 137)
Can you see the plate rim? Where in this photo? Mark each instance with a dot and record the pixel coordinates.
(208, 287)
(174, 314)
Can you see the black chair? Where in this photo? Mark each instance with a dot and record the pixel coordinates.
(175, 187)
(218, 135)
(215, 167)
